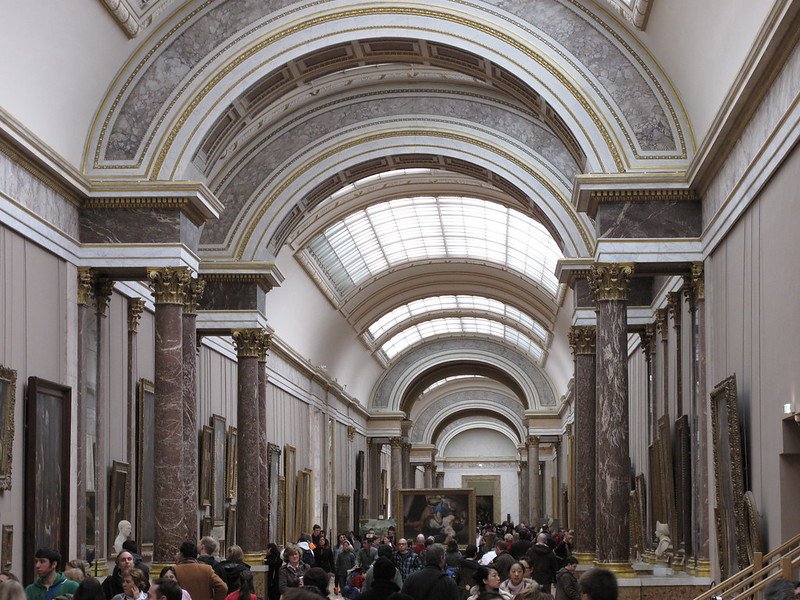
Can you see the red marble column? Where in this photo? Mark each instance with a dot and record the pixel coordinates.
(135, 308)
(609, 284)
(194, 292)
(524, 498)
(85, 301)
(262, 431)
(582, 341)
(169, 288)
(248, 496)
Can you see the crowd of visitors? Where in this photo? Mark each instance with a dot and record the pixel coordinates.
(506, 563)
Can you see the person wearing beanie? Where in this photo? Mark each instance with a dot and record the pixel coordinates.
(383, 585)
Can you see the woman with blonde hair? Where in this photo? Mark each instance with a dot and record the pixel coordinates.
(233, 567)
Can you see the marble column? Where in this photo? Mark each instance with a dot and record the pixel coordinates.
(648, 341)
(262, 434)
(609, 285)
(524, 497)
(135, 308)
(674, 307)
(194, 292)
(169, 289)
(248, 497)
(428, 474)
(102, 296)
(694, 287)
(534, 481)
(582, 342)
(85, 301)
(396, 445)
(374, 478)
(662, 325)
(408, 468)
(439, 479)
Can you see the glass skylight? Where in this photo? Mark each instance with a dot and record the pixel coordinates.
(458, 302)
(416, 333)
(441, 382)
(378, 177)
(389, 233)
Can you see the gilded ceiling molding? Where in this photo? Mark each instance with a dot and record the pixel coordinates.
(134, 16)
(635, 12)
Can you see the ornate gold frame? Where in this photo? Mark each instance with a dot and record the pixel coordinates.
(667, 473)
(219, 463)
(119, 470)
(232, 477)
(7, 403)
(429, 492)
(754, 530)
(206, 493)
(729, 478)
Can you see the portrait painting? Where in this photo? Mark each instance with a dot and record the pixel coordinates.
(118, 499)
(437, 511)
(8, 394)
(233, 458)
(47, 469)
(206, 491)
(218, 471)
(145, 465)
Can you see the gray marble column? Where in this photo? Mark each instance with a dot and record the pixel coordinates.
(191, 480)
(694, 285)
(524, 497)
(609, 284)
(102, 297)
(662, 325)
(85, 301)
(582, 342)
(263, 444)
(396, 476)
(248, 498)
(373, 478)
(674, 307)
(439, 479)
(169, 288)
(135, 308)
(428, 474)
(534, 481)
(408, 468)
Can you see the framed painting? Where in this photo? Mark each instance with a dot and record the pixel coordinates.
(729, 476)
(119, 506)
(755, 536)
(666, 467)
(8, 396)
(7, 548)
(304, 502)
(218, 471)
(232, 465)
(290, 485)
(437, 511)
(683, 483)
(145, 466)
(206, 446)
(47, 468)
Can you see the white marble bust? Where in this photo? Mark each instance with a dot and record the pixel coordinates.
(123, 534)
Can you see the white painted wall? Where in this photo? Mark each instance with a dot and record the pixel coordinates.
(509, 484)
(479, 443)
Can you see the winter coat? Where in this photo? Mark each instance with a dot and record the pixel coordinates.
(61, 585)
(544, 563)
(430, 583)
(567, 586)
(231, 573)
(289, 576)
(379, 590)
(200, 581)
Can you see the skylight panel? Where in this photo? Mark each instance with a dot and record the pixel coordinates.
(386, 234)
(463, 325)
(445, 380)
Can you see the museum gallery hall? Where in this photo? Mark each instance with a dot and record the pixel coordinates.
(266, 264)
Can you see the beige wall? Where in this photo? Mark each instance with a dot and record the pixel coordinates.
(752, 291)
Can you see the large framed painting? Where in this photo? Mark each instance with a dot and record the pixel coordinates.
(145, 466)
(8, 396)
(206, 491)
(232, 465)
(289, 507)
(729, 476)
(218, 472)
(437, 511)
(47, 468)
(119, 506)
(304, 503)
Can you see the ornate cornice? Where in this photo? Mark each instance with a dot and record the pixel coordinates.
(263, 346)
(169, 284)
(662, 322)
(85, 286)
(135, 308)
(194, 291)
(609, 281)
(102, 293)
(582, 339)
(674, 306)
(248, 342)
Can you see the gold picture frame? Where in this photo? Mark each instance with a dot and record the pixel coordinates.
(8, 398)
(729, 478)
(219, 426)
(754, 530)
(436, 511)
(7, 548)
(119, 503)
(233, 465)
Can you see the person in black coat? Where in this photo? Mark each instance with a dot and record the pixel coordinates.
(233, 567)
(544, 563)
(273, 562)
(323, 555)
(383, 584)
(431, 582)
(467, 568)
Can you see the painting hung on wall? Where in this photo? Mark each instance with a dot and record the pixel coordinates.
(8, 394)
(437, 512)
(218, 473)
(206, 466)
(118, 499)
(47, 468)
(145, 466)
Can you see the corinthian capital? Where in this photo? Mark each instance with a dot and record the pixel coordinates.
(194, 291)
(582, 339)
(263, 346)
(609, 281)
(694, 284)
(169, 284)
(247, 341)
(135, 308)
(85, 285)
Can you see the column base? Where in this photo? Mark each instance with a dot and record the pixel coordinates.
(649, 557)
(585, 558)
(623, 570)
(99, 568)
(702, 568)
(254, 559)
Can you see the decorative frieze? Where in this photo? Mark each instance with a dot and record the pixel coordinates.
(248, 342)
(582, 339)
(169, 284)
(610, 281)
(135, 308)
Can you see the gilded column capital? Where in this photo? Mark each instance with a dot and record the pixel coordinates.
(395, 442)
(135, 308)
(533, 440)
(674, 306)
(169, 284)
(610, 281)
(648, 339)
(247, 341)
(694, 284)
(582, 339)
(351, 432)
(662, 322)
(85, 285)
(428, 466)
(194, 291)
(264, 343)
(102, 294)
